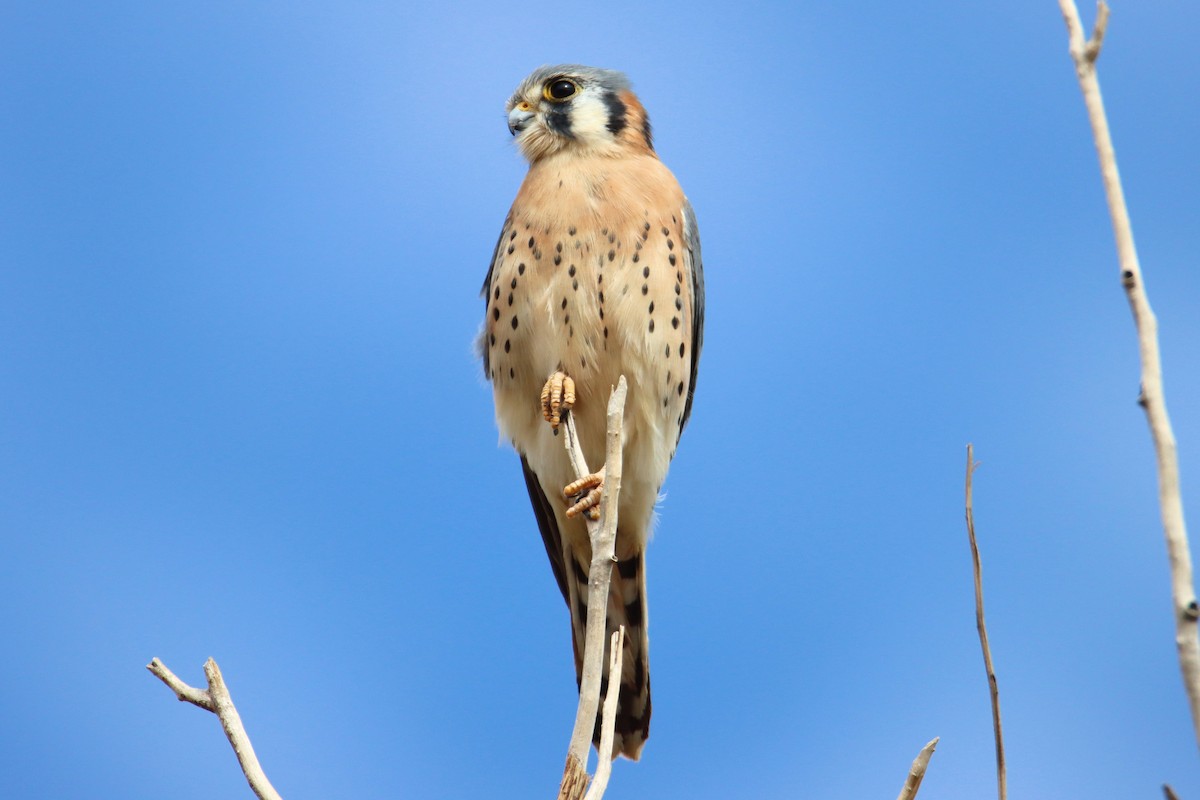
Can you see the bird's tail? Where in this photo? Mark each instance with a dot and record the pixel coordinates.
(626, 606)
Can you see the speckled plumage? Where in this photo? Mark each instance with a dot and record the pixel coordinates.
(597, 273)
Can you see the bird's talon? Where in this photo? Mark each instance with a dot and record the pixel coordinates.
(558, 396)
(585, 495)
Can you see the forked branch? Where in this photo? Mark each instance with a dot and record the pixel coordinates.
(1084, 54)
(218, 701)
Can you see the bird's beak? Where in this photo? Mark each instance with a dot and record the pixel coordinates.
(519, 118)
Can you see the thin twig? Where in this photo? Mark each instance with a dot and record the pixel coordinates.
(981, 626)
(1183, 593)
(218, 701)
(1169, 793)
(187, 694)
(916, 773)
(609, 722)
(603, 535)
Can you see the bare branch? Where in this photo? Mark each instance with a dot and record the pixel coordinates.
(218, 701)
(1151, 398)
(1169, 793)
(603, 535)
(981, 626)
(609, 722)
(916, 772)
(188, 694)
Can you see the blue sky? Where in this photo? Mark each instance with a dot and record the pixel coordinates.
(240, 251)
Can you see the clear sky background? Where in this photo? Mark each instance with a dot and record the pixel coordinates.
(240, 252)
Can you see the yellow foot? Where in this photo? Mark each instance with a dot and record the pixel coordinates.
(558, 396)
(585, 495)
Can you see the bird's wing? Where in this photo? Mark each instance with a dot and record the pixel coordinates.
(691, 234)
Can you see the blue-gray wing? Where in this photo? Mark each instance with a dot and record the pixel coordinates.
(481, 344)
(691, 235)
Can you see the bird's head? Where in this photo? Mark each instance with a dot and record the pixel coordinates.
(576, 109)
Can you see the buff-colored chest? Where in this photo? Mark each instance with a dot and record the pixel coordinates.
(591, 278)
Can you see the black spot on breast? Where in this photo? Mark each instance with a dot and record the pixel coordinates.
(511, 373)
(664, 230)
(671, 258)
(645, 270)
(514, 322)
(651, 310)
(532, 240)
(510, 249)
(679, 389)
(575, 285)
(513, 285)
(492, 339)
(571, 271)
(681, 349)
(611, 255)
(510, 298)
(674, 322)
(564, 303)
(557, 260)
(652, 326)
(507, 345)
(495, 313)
(679, 304)
(571, 231)
(616, 113)
(496, 294)
(512, 236)
(645, 288)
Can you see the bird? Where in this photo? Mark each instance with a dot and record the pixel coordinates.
(596, 274)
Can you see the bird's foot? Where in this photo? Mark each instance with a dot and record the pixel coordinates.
(584, 494)
(558, 396)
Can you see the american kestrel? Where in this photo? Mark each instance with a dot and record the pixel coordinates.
(597, 274)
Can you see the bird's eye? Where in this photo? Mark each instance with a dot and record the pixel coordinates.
(560, 89)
